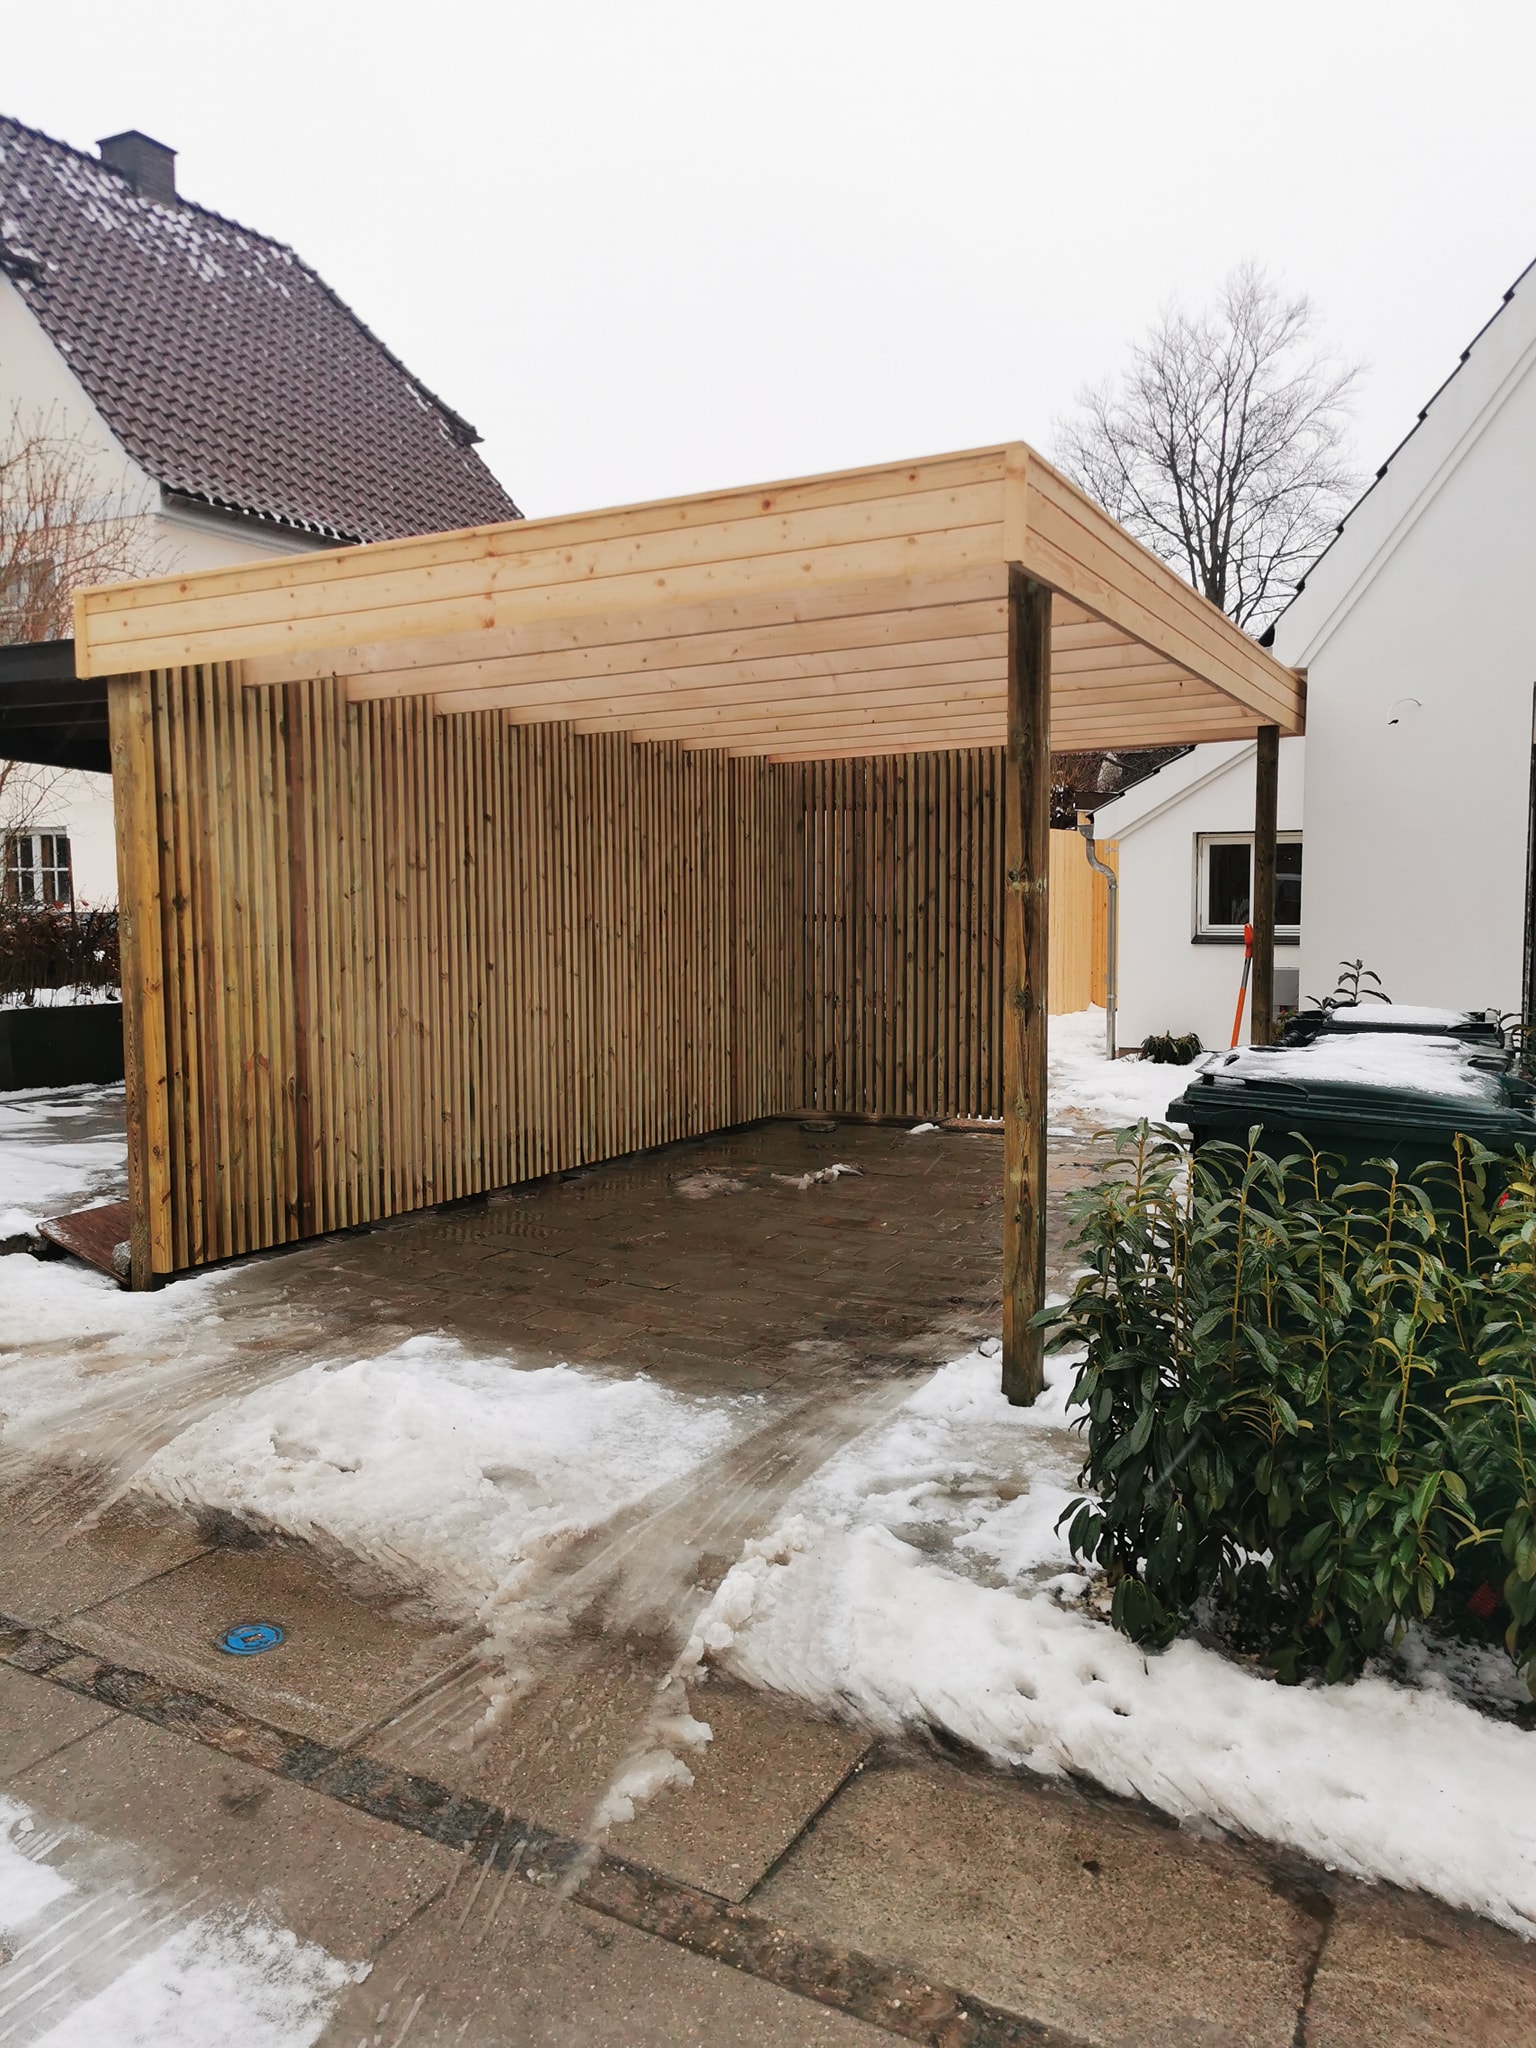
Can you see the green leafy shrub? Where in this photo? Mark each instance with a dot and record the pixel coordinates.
(1310, 1404)
(1171, 1048)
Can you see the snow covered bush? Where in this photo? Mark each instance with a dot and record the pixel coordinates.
(52, 945)
(1311, 1404)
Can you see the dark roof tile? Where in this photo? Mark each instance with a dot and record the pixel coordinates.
(225, 366)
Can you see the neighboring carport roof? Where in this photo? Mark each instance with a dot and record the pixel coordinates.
(857, 613)
(47, 714)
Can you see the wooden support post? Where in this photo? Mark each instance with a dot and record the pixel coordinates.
(299, 796)
(136, 811)
(1266, 799)
(1026, 864)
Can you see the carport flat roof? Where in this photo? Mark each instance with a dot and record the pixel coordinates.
(49, 716)
(863, 612)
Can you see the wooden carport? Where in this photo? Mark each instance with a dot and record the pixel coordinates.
(449, 861)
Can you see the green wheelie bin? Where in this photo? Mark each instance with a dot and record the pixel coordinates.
(1364, 1095)
(1476, 1027)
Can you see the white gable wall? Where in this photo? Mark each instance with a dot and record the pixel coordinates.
(1168, 980)
(1418, 632)
(1425, 613)
(37, 378)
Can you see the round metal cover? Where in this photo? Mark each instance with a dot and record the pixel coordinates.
(250, 1638)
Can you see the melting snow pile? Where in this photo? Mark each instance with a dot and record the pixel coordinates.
(104, 1963)
(27, 1887)
(1109, 1093)
(74, 1347)
(451, 1471)
(918, 1581)
(54, 1155)
(210, 1977)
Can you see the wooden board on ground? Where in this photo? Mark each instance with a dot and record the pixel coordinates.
(91, 1234)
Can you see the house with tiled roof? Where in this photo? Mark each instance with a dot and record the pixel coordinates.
(220, 399)
(1408, 812)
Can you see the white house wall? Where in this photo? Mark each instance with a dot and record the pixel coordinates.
(1419, 721)
(36, 378)
(1168, 981)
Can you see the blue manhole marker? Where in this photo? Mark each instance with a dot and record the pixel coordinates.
(251, 1638)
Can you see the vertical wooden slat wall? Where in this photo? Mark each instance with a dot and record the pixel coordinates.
(405, 958)
(394, 958)
(899, 905)
(898, 908)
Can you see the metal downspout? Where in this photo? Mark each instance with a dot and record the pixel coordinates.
(1112, 965)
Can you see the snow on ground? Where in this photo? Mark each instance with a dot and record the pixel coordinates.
(71, 1340)
(918, 1581)
(71, 996)
(60, 1149)
(1108, 1093)
(105, 1965)
(454, 1472)
(27, 1886)
(235, 1981)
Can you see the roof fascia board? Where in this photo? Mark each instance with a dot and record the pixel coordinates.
(176, 509)
(1450, 428)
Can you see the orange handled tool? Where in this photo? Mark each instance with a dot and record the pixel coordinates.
(1242, 986)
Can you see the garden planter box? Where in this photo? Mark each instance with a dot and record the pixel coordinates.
(52, 1048)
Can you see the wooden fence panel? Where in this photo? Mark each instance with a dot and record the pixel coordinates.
(1079, 922)
(899, 904)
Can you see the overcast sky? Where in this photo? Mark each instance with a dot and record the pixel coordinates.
(655, 248)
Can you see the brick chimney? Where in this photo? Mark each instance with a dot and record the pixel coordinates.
(147, 165)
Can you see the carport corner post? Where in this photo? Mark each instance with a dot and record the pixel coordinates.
(135, 806)
(1266, 806)
(1026, 864)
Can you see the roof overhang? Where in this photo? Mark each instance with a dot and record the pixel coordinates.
(858, 613)
(48, 715)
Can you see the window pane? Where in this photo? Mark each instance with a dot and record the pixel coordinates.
(1226, 900)
(1288, 883)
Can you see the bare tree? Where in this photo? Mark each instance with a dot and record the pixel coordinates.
(65, 522)
(1223, 445)
(25, 793)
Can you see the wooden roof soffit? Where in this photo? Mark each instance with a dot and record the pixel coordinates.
(861, 612)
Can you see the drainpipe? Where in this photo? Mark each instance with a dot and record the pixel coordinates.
(1112, 965)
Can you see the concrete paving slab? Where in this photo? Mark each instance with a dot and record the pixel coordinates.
(496, 1962)
(767, 1771)
(63, 1550)
(1399, 1970)
(1111, 1927)
(37, 1719)
(555, 1750)
(333, 1876)
(343, 1663)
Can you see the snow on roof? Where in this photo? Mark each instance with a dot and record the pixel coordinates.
(229, 371)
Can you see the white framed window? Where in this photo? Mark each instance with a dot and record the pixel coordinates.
(37, 868)
(1224, 885)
